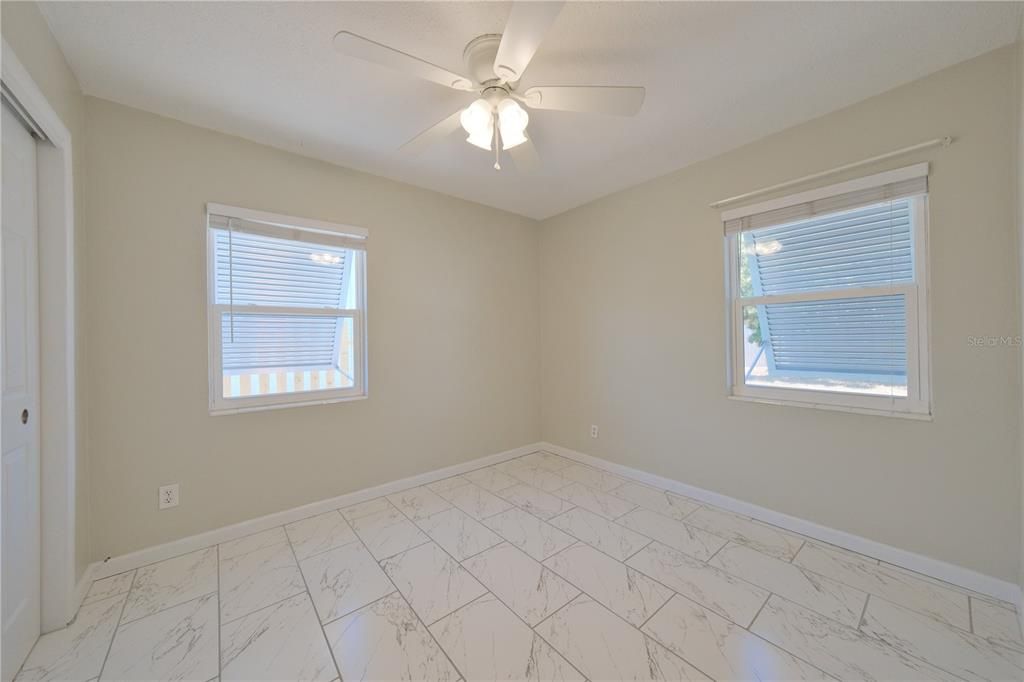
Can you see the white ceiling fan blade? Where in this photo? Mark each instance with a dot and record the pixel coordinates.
(599, 99)
(432, 134)
(525, 156)
(363, 48)
(527, 23)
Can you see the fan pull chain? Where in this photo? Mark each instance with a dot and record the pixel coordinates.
(497, 145)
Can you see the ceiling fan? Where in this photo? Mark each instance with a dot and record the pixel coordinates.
(495, 64)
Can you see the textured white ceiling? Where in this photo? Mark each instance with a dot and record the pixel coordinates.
(718, 75)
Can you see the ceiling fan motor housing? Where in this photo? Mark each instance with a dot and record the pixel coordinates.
(479, 58)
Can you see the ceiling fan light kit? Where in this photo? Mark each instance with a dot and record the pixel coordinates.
(478, 120)
(512, 122)
(496, 63)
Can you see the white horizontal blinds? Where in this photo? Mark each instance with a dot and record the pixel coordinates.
(863, 247)
(830, 204)
(857, 337)
(289, 233)
(251, 269)
(284, 342)
(794, 271)
(258, 278)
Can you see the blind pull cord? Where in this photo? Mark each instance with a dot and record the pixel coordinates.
(892, 279)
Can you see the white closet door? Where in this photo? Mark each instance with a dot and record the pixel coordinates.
(20, 492)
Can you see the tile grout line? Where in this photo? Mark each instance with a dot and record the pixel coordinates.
(117, 627)
(166, 608)
(577, 539)
(650, 541)
(398, 492)
(599, 492)
(693, 512)
(751, 623)
(430, 538)
(564, 549)
(530, 628)
(309, 595)
(672, 651)
(407, 549)
(583, 592)
(396, 590)
(599, 603)
(220, 649)
(414, 612)
(501, 541)
(574, 507)
(915, 654)
(486, 592)
(667, 587)
(877, 596)
(553, 647)
(178, 556)
(749, 631)
(797, 555)
(262, 608)
(656, 612)
(716, 552)
(860, 621)
(560, 608)
(356, 538)
(368, 604)
(793, 558)
(635, 507)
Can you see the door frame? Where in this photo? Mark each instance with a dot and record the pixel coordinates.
(61, 592)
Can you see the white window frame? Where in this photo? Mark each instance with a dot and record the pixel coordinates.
(220, 405)
(917, 403)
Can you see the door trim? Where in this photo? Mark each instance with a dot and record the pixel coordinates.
(58, 457)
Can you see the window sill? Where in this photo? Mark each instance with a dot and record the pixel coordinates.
(915, 416)
(221, 411)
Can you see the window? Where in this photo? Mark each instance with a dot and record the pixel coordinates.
(827, 295)
(287, 310)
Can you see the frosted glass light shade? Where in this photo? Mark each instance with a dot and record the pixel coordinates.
(512, 122)
(478, 120)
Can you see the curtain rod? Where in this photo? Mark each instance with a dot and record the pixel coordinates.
(944, 141)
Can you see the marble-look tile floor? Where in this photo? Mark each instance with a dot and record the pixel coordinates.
(538, 568)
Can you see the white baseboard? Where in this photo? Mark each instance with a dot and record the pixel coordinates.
(82, 587)
(934, 568)
(1020, 610)
(143, 557)
(78, 596)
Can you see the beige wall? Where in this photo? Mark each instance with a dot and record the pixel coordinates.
(632, 334)
(1020, 262)
(629, 334)
(26, 32)
(453, 333)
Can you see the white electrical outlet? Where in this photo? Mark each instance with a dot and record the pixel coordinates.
(168, 496)
(593, 430)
